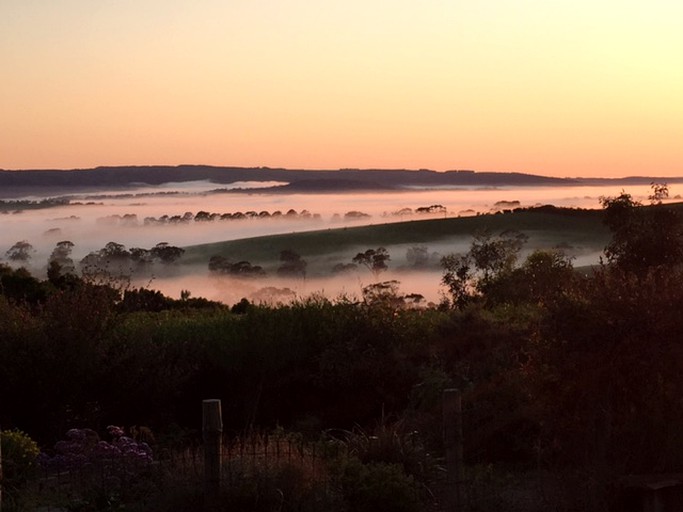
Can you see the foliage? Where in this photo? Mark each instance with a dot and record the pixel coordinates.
(643, 237)
(21, 251)
(543, 277)
(390, 443)
(292, 264)
(166, 253)
(60, 260)
(102, 475)
(377, 486)
(435, 208)
(605, 357)
(19, 453)
(221, 265)
(374, 259)
(419, 257)
(493, 256)
(83, 447)
(467, 276)
(457, 278)
(575, 374)
(18, 285)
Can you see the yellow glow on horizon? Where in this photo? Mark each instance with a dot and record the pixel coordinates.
(557, 88)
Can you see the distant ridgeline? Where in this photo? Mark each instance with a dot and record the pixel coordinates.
(13, 182)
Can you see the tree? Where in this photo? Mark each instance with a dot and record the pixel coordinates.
(435, 208)
(343, 268)
(642, 237)
(166, 253)
(60, 266)
(374, 259)
(418, 256)
(384, 293)
(141, 256)
(607, 355)
(458, 278)
(494, 255)
(20, 251)
(355, 215)
(19, 285)
(488, 260)
(114, 252)
(221, 265)
(110, 264)
(292, 264)
(660, 191)
(542, 278)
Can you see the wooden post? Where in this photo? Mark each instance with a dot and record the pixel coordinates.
(0, 469)
(212, 432)
(452, 436)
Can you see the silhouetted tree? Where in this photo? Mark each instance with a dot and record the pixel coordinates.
(21, 251)
(20, 286)
(643, 237)
(417, 256)
(221, 265)
(435, 208)
(61, 255)
(166, 253)
(494, 255)
(384, 293)
(374, 259)
(458, 278)
(292, 264)
(488, 260)
(141, 256)
(341, 268)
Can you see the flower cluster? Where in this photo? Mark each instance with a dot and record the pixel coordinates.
(83, 448)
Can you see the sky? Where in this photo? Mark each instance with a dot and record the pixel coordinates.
(552, 87)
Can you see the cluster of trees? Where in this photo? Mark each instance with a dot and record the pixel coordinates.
(17, 205)
(293, 265)
(113, 260)
(421, 210)
(205, 216)
(221, 265)
(130, 219)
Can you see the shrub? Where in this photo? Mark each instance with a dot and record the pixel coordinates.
(19, 453)
(100, 475)
(377, 486)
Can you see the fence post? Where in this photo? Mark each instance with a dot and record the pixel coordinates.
(212, 433)
(0, 468)
(453, 442)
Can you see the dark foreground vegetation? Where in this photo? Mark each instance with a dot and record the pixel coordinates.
(570, 383)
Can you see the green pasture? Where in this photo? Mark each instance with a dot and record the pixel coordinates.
(575, 231)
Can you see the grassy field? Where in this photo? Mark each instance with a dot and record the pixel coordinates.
(576, 231)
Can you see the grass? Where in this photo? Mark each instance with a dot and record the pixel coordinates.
(571, 229)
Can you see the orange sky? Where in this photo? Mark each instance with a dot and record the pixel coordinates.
(554, 87)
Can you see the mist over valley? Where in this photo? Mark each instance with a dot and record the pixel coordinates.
(246, 221)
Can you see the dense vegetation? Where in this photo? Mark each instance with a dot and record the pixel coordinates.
(570, 374)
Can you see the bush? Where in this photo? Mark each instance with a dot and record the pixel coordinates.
(377, 486)
(19, 453)
(101, 475)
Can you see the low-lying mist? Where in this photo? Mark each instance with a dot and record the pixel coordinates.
(161, 215)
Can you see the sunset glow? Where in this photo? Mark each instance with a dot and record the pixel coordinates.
(562, 88)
